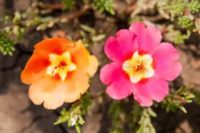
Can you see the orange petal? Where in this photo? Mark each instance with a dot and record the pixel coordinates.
(80, 56)
(49, 91)
(92, 68)
(54, 45)
(77, 85)
(34, 69)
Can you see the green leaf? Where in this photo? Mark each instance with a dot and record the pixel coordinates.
(88, 29)
(176, 36)
(78, 129)
(177, 8)
(145, 122)
(177, 100)
(63, 118)
(186, 23)
(104, 5)
(197, 96)
(114, 112)
(6, 44)
(73, 117)
(151, 112)
(85, 103)
(194, 6)
(81, 121)
(182, 108)
(68, 4)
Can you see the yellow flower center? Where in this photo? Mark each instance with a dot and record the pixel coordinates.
(139, 67)
(60, 65)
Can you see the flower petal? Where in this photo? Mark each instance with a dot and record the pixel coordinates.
(126, 40)
(166, 49)
(48, 91)
(120, 47)
(80, 56)
(34, 69)
(77, 84)
(147, 38)
(53, 45)
(92, 68)
(110, 72)
(54, 93)
(51, 90)
(151, 89)
(73, 93)
(166, 64)
(120, 87)
(142, 96)
(138, 28)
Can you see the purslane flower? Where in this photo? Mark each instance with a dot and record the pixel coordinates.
(58, 72)
(141, 65)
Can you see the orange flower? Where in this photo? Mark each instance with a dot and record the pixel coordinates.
(58, 72)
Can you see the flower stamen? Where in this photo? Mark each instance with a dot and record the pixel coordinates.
(60, 65)
(139, 67)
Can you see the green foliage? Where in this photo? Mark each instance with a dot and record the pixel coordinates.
(176, 36)
(104, 5)
(181, 12)
(68, 4)
(186, 23)
(115, 112)
(6, 44)
(134, 116)
(89, 35)
(136, 112)
(177, 8)
(35, 16)
(197, 96)
(178, 99)
(145, 121)
(85, 103)
(73, 117)
(14, 26)
(170, 9)
(194, 6)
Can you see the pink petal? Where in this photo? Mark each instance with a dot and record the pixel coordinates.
(159, 89)
(152, 89)
(120, 47)
(110, 72)
(137, 28)
(120, 88)
(142, 96)
(148, 38)
(119, 84)
(126, 39)
(144, 101)
(166, 49)
(166, 64)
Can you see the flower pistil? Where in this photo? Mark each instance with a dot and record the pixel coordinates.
(60, 65)
(139, 67)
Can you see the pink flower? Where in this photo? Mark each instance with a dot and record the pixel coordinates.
(141, 65)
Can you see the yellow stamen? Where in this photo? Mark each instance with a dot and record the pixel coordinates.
(139, 67)
(60, 65)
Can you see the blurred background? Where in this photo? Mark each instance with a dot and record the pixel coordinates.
(23, 23)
